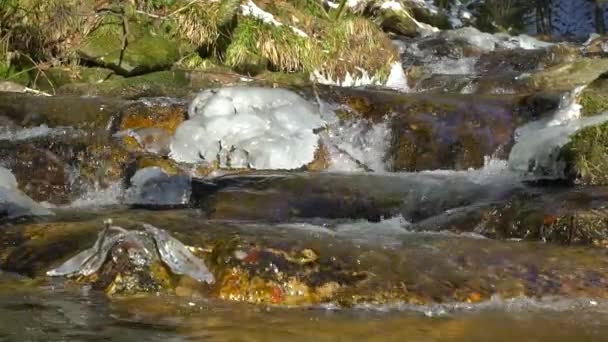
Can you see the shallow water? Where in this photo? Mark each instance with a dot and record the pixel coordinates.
(55, 313)
(53, 309)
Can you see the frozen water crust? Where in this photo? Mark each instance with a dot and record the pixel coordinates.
(239, 127)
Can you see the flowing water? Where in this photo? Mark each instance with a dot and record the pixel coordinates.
(471, 255)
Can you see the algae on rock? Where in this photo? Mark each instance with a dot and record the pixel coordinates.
(146, 48)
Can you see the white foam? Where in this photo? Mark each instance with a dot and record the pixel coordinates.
(261, 127)
(31, 132)
(99, 197)
(518, 304)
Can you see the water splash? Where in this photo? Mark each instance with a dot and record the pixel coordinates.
(27, 133)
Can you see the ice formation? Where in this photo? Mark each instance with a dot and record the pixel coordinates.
(538, 143)
(396, 79)
(239, 127)
(14, 203)
(152, 186)
(170, 250)
(250, 9)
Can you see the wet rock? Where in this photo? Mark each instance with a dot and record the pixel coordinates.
(291, 267)
(567, 76)
(146, 48)
(281, 197)
(152, 115)
(28, 110)
(563, 216)
(152, 187)
(40, 173)
(13, 203)
(447, 132)
(59, 168)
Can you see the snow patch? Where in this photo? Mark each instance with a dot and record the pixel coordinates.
(261, 128)
(250, 9)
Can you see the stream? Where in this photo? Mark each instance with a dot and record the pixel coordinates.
(250, 214)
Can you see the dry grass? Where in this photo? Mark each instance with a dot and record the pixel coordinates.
(256, 42)
(355, 42)
(199, 23)
(45, 30)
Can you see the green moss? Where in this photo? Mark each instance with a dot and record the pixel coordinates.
(567, 76)
(147, 48)
(586, 155)
(162, 83)
(594, 98)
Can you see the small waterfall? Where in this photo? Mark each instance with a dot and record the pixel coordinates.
(538, 143)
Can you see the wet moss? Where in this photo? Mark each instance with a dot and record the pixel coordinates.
(594, 98)
(586, 156)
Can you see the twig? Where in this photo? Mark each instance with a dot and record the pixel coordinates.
(156, 16)
(40, 71)
(34, 91)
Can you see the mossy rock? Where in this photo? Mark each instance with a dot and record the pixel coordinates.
(586, 156)
(396, 21)
(439, 20)
(56, 77)
(148, 48)
(161, 83)
(568, 216)
(594, 98)
(568, 76)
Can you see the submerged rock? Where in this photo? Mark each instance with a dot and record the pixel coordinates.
(564, 215)
(289, 266)
(284, 197)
